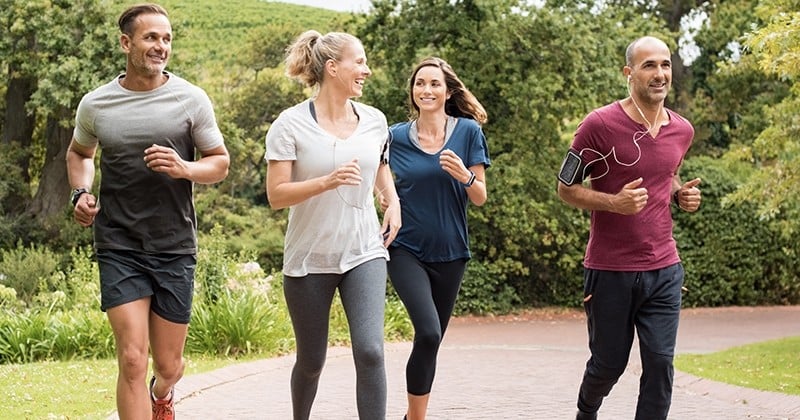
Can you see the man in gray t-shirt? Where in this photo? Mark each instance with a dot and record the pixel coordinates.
(150, 125)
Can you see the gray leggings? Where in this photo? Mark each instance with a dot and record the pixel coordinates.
(363, 294)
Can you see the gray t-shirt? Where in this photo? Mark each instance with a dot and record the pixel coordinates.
(337, 230)
(142, 210)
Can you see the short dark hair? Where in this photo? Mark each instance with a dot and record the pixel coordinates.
(127, 18)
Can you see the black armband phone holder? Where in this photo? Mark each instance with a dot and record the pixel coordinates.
(572, 169)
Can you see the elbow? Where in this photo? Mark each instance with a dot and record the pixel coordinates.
(564, 193)
(275, 203)
(480, 201)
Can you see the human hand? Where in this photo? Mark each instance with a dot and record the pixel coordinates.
(391, 223)
(85, 210)
(383, 201)
(453, 165)
(631, 199)
(689, 196)
(166, 160)
(346, 174)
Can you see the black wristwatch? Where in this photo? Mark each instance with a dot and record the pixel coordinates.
(471, 179)
(76, 194)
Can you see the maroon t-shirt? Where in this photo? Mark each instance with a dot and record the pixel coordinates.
(620, 150)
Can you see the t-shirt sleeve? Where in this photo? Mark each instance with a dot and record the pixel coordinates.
(385, 149)
(585, 142)
(84, 123)
(280, 142)
(205, 131)
(478, 150)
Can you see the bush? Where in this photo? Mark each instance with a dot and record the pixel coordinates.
(28, 270)
(723, 247)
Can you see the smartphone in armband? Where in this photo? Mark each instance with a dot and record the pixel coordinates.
(571, 168)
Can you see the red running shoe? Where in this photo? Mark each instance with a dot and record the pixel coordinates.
(162, 409)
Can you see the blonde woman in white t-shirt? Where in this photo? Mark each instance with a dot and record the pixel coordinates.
(326, 156)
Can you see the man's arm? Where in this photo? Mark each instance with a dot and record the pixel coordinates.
(630, 200)
(212, 167)
(80, 172)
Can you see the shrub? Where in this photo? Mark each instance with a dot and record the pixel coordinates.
(28, 270)
(724, 247)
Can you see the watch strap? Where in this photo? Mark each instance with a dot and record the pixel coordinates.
(76, 194)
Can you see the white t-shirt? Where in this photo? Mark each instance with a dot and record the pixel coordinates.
(337, 230)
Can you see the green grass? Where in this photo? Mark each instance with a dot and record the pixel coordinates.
(73, 389)
(768, 366)
(85, 389)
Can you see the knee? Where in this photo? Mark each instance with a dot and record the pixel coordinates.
(655, 362)
(369, 356)
(170, 370)
(605, 372)
(132, 363)
(428, 340)
(309, 367)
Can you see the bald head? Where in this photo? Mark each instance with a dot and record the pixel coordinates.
(649, 42)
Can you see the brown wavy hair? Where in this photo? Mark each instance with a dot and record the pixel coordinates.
(462, 103)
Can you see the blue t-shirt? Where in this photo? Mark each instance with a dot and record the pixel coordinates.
(433, 203)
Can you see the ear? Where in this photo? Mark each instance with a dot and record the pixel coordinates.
(125, 43)
(627, 71)
(330, 67)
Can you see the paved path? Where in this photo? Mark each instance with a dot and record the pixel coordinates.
(508, 368)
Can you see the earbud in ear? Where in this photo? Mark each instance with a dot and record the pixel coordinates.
(629, 78)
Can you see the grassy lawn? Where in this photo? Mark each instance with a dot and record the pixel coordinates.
(71, 390)
(768, 366)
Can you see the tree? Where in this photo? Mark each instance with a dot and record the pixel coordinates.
(775, 47)
(55, 52)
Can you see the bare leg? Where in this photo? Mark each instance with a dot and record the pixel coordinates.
(167, 340)
(417, 406)
(130, 325)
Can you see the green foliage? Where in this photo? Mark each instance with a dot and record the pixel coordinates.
(27, 270)
(723, 246)
(239, 323)
(731, 94)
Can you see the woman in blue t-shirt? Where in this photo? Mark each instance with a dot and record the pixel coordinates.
(438, 159)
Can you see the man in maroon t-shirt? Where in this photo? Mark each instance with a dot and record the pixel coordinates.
(630, 152)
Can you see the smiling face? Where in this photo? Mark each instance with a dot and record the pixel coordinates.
(149, 46)
(650, 71)
(351, 71)
(429, 89)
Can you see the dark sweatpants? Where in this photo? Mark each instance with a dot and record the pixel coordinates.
(620, 302)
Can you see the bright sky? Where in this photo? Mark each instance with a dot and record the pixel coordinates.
(340, 5)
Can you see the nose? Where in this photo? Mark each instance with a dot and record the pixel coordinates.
(367, 71)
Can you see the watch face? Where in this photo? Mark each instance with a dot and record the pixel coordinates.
(76, 193)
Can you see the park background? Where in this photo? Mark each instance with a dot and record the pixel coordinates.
(538, 68)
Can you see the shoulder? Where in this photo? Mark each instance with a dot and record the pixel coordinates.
(368, 111)
(399, 127)
(468, 124)
(177, 82)
(295, 117)
(599, 117)
(678, 117)
(103, 90)
(612, 110)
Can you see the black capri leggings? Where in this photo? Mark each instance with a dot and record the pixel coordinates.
(428, 291)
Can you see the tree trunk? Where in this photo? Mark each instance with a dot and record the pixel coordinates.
(18, 129)
(54, 190)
